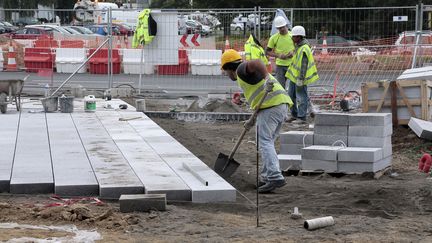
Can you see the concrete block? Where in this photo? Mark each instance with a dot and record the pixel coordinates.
(142, 202)
(331, 130)
(319, 165)
(360, 167)
(331, 119)
(329, 139)
(371, 131)
(290, 161)
(296, 137)
(421, 128)
(368, 142)
(292, 149)
(370, 119)
(387, 150)
(357, 154)
(320, 152)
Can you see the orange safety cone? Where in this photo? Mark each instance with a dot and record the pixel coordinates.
(227, 44)
(12, 65)
(324, 51)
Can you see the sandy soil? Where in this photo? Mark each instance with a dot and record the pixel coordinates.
(393, 208)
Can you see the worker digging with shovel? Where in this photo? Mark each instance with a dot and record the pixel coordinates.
(270, 102)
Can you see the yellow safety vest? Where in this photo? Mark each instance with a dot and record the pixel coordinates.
(142, 33)
(254, 51)
(293, 72)
(254, 93)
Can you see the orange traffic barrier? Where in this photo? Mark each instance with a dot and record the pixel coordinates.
(11, 64)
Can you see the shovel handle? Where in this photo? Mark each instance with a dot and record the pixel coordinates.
(246, 129)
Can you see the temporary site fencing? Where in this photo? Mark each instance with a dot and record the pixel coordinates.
(350, 45)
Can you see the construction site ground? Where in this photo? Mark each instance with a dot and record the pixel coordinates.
(394, 208)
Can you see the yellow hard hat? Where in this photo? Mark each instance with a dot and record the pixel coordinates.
(230, 55)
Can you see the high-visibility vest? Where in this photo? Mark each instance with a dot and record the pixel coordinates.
(254, 51)
(254, 93)
(293, 72)
(143, 34)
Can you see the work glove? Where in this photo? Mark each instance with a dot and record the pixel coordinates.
(300, 82)
(269, 84)
(249, 123)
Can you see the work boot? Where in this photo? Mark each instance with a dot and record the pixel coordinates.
(291, 119)
(261, 183)
(271, 185)
(301, 121)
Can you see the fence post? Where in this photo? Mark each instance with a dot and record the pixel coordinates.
(109, 24)
(418, 34)
(292, 17)
(259, 21)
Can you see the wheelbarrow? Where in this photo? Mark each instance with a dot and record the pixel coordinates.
(10, 91)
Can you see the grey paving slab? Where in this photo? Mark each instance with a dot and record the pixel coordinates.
(112, 170)
(142, 202)
(358, 154)
(331, 119)
(150, 168)
(370, 119)
(329, 139)
(292, 162)
(361, 167)
(296, 137)
(368, 142)
(331, 130)
(319, 165)
(421, 128)
(32, 169)
(8, 133)
(371, 131)
(387, 150)
(292, 149)
(73, 174)
(317, 152)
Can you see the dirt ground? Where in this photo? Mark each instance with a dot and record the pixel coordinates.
(395, 208)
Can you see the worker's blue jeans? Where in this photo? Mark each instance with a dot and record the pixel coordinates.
(268, 125)
(300, 99)
(280, 75)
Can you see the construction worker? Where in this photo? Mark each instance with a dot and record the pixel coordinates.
(301, 73)
(281, 46)
(254, 50)
(254, 80)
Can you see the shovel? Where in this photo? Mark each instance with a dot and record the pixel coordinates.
(225, 165)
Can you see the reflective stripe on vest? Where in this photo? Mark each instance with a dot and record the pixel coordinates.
(293, 72)
(142, 34)
(254, 51)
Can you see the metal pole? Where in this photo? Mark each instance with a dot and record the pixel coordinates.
(292, 17)
(259, 24)
(76, 71)
(255, 21)
(418, 34)
(109, 49)
(257, 176)
(141, 70)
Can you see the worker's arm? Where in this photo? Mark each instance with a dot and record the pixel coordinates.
(256, 69)
(270, 52)
(303, 69)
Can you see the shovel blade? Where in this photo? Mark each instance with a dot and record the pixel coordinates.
(225, 167)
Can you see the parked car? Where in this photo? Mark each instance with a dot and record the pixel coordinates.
(237, 26)
(8, 27)
(103, 30)
(202, 29)
(53, 28)
(83, 30)
(2, 30)
(123, 29)
(406, 41)
(30, 33)
(23, 21)
(343, 45)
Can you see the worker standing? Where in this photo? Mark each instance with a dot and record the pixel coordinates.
(301, 73)
(254, 50)
(254, 80)
(281, 46)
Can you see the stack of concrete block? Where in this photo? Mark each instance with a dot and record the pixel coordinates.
(359, 160)
(330, 128)
(422, 128)
(371, 130)
(291, 144)
(320, 158)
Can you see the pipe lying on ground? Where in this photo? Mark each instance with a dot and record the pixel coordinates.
(317, 223)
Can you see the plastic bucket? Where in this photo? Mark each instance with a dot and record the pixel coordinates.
(50, 104)
(90, 103)
(66, 104)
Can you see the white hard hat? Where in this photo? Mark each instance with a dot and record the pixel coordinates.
(298, 31)
(280, 21)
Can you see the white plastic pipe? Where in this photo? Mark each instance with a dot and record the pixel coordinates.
(317, 223)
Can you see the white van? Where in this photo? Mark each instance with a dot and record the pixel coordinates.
(407, 39)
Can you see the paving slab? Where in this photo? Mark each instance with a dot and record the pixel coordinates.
(292, 162)
(73, 174)
(421, 128)
(142, 202)
(150, 168)
(330, 139)
(371, 131)
(319, 165)
(361, 167)
(32, 168)
(296, 137)
(8, 131)
(331, 130)
(112, 170)
(331, 119)
(369, 142)
(370, 119)
(317, 152)
(358, 154)
(387, 150)
(292, 149)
